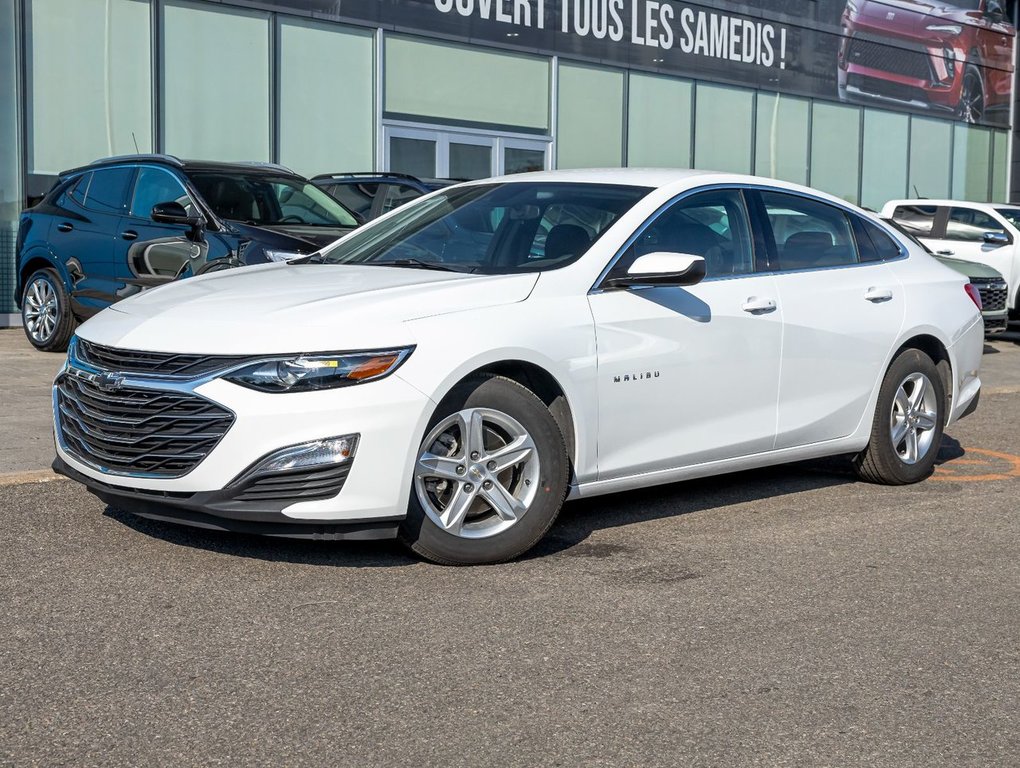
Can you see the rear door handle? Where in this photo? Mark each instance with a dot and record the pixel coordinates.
(878, 295)
(64, 227)
(129, 234)
(945, 253)
(758, 306)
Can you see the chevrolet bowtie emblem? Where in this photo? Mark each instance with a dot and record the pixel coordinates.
(107, 382)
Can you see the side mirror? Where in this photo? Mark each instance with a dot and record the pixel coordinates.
(173, 212)
(994, 11)
(660, 268)
(996, 238)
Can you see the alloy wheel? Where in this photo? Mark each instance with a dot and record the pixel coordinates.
(40, 311)
(913, 418)
(972, 105)
(477, 473)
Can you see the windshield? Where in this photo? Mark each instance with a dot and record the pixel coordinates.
(1012, 215)
(266, 200)
(491, 228)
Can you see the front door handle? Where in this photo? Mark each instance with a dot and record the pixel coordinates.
(945, 253)
(878, 295)
(64, 227)
(758, 306)
(129, 234)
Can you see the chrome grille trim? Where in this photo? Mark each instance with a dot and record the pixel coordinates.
(162, 364)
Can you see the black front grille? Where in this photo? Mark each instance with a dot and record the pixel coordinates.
(321, 482)
(153, 363)
(993, 293)
(899, 58)
(996, 325)
(876, 87)
(135, 430)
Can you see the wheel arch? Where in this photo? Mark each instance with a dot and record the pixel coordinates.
(938, 351)
(33, 262)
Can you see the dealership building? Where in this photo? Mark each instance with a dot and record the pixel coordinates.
(830, 93)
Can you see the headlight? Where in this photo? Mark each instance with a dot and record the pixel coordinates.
(305, 373)
(283, 255)
(949, 29)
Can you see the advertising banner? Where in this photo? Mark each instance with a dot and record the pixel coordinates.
(948, 58)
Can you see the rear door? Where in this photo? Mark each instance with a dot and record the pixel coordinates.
(841, 316)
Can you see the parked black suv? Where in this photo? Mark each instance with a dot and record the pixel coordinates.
(113, 228)
(373, 194)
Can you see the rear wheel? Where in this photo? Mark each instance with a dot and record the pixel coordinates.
(972, 100)
(909, 420)
(490, 476)
(46, 312)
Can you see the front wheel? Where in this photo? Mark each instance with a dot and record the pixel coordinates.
(909, 419)
(972, 97)
(490, 476)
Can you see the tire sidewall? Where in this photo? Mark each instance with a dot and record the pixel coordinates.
(907, 362)
(501, 394)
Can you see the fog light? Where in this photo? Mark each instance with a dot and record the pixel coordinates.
(330, 450)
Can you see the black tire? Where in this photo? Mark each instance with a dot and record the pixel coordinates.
(880, 462)
(972, 98)
(57, 338)
(429, 540)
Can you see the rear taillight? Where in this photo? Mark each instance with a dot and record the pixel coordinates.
(974, 295)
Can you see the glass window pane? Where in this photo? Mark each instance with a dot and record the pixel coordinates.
(1000, 164)
(355, 195)
(930, 145)
(470, 161)
(781, 141)
(970, 225)
(108, 192)
(414, 156)
(523, 160)
(659, 122)
(215, 82)
(89, 61)
(722, 129)
(10, 174)
(835, 149)
(326, 126)
(397, 195)
(453, 82)
(808, 234)
(918, 220)
(154, 186)
(589, 117)
(972, 152)
(884, 165)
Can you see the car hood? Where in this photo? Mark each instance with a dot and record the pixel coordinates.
(970, 268)
(278, 308)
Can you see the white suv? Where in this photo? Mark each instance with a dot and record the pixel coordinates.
(454, 370)
(987, 233)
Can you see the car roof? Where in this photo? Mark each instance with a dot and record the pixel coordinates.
(171, 161)
(383, 176)
(951, 203)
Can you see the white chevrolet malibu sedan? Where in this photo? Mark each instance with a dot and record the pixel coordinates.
(454, 371)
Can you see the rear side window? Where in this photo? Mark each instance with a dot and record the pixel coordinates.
(358, 197)
(397, 195)
(809, 234)
(108, 191)
(970, 225)
(78, 190)
(873, 243)
(918, 220)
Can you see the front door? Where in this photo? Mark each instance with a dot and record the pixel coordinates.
(689, 374)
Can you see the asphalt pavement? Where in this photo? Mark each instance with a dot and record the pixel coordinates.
(790, 616)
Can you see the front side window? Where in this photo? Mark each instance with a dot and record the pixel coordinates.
(712, 225)
(809, 234)
(918, 220)
(357, 196)
(265, 200)
(970, 225)
(108, 190)
(1012, 215)
(154, 186)
(491, 228)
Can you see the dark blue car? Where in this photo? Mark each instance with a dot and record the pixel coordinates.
(118, 226)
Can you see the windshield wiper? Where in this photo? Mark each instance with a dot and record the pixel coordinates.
(416, 264)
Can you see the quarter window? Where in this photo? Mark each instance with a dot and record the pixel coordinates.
(873, 243)
(712, 225)
(918, 220)
(108, 191)
(156, 186)
(808, 234)
(970, 225)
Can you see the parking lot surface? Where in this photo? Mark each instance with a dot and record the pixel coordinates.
(790, 616)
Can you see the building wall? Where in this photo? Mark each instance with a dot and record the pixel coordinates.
(217, 80)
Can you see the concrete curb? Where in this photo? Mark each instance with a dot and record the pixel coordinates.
(31, 476)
